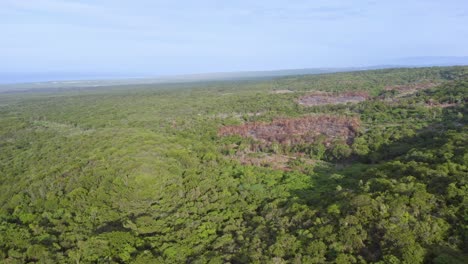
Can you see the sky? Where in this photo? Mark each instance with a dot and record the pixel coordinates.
(137, 38)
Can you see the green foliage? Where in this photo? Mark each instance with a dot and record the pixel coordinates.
(139, 174)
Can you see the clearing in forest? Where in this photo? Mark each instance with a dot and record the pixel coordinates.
(281, 91)
(323, 98)
(293, 131)
(271, 160)
(410, 88)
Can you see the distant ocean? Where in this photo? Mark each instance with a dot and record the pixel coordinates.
(12, 78)
(27, 77)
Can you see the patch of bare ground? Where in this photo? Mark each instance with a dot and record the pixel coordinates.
(238, 115)
(275, 161)
(281, 91)
(324, 98)
(270, 160)
(410, 88)
(292, 131)
(432, 104)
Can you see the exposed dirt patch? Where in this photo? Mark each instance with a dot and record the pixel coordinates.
(270, 160)
(323, 98)
(431, 104)
(410, 88)
(279, 162)
(282, 91)
(238, 115)
(297, 130)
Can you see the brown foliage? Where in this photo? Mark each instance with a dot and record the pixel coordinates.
(274, 161)
(297, 130)
(322, 98)
(412, 87)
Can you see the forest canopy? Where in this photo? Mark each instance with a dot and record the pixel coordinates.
(234, 172)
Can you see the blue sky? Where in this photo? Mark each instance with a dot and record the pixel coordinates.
(152, 37)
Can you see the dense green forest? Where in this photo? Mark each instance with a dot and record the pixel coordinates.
(188, 173)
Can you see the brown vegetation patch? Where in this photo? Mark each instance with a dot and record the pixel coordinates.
(275, 161)
(238, 115)
(271, 160)
(322, 98)
(297, 130)
(281, 91)
(432, 104)
(411, 88)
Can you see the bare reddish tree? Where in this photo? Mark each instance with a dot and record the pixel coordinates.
(297, 130)
(323, 98)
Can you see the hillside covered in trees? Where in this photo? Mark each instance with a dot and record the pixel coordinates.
(358, 167)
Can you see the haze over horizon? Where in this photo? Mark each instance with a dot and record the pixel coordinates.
(106, 39)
